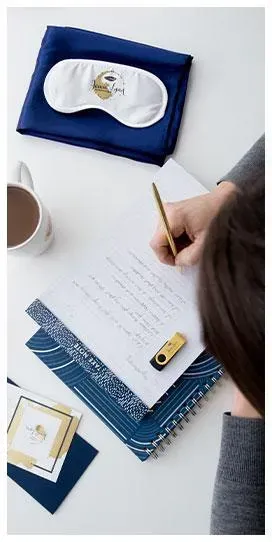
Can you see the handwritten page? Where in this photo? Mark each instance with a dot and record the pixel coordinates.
(124, 304)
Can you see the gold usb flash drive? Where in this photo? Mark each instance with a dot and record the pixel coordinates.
(167, 352)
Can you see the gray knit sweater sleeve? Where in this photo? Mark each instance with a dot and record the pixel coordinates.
(250, 167)
(238, 499)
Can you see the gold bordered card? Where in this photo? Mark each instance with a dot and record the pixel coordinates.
(40, 432)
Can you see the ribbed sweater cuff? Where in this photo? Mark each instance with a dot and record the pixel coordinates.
(242, 450)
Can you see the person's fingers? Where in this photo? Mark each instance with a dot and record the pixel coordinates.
(191, 254)
(176, 218)
(162, 251)
(167, 257)
(160, 245)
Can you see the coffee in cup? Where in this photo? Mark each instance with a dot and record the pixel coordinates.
(29, 226)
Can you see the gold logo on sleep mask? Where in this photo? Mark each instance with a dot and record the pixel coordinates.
(107, 84)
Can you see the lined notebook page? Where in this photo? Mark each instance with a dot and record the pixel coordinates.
(124, 305)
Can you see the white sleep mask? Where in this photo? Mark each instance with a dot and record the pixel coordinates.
(135, 97)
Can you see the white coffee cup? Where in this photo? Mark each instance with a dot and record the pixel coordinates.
(41, 237)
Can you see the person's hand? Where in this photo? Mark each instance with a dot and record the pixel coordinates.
(242, 407)
(189, 219)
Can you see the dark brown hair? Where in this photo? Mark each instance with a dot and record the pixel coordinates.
(231, 290)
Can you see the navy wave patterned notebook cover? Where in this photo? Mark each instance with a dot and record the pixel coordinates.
(143, 431)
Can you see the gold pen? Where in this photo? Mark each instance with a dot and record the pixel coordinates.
(164, 220)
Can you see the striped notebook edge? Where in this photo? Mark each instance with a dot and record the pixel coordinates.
(150, 436)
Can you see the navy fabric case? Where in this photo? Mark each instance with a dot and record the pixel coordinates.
(96, 129)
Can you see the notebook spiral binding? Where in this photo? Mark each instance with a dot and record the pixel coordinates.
(171, 430)
(160, 425)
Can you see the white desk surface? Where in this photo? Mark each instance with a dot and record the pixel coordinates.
(224, 115)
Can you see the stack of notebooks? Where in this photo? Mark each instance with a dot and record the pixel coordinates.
(100, 325)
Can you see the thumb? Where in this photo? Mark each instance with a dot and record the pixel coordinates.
(190, 255)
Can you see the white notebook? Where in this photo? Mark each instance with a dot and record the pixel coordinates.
(124, 305)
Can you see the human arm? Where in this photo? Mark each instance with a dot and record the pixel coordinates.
(238, 505)
(193, 216)
(250, 167)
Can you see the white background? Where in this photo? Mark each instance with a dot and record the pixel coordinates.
(86, 191)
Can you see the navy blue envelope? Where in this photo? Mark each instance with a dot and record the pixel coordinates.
(94, 128)
(51, 494)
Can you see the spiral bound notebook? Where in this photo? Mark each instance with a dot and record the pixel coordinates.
(149, 435)
(101, 326)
